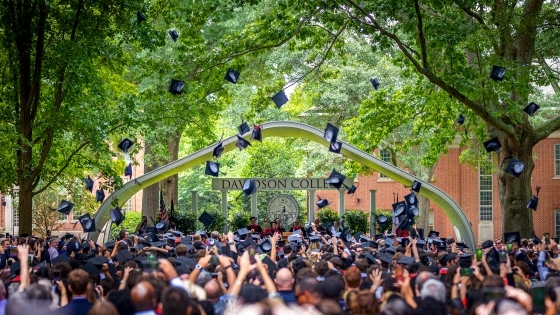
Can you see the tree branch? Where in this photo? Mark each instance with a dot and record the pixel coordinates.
(421, 37)
(545, 129)
(471, 13)
(547, 70)
(479, 110)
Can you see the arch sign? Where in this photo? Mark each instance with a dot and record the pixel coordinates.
(288, 129)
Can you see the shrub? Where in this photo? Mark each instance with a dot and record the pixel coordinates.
(381, 228)
(130, 222)
(238, 219)
(356, 221)
(186, 221)
(327, 216)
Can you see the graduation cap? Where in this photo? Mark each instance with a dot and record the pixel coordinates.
(336, 179)
(322, 203)
(531, 109)
(42, 264)
(176, 86)
(218, 150)
(391, 249)
(331, 133)
(249, 187)
(206, 219)
(374, 82)
(212, 168)
(357, 236)
(352, 190)
(232, 76)
(189, 262)
(99, 260)
(294, 238)
(460, 120)
(335, 147)
(243, 231)
(177, 233)
(515, 167)
(462, 246)
(433, 234)
(140, 17)
(533, 203)
(399, 208)
(128, 170)
(382, 219)
(73, 246)
(123, 256)
(99, 195)
(497, 73)
(510, 237)
(404, 223)
(158, 244)
(257, 133)
(116, 216)
(89, 183)
(110, 244)
(416, 185)
(266, 246)
(174, 35)
(280, 98)
(370, 259)
(242, 143)
(411, 199)
(243, 128)
(420, 244)
(87, 222)
(65, 207)
(60, 259)
(386, 258)
(125, 144)
(487, 244)
(314, 239)
(492, 145)
(405, 260)
(271, 264)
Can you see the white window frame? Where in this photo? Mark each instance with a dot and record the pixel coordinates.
(556, 156)
(557, 222)
(483, 200)
(385, 156)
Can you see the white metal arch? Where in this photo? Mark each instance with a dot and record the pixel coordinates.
(287, 129)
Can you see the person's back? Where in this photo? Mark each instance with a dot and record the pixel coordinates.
(78, 283)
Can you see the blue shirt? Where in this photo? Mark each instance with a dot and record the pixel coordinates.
(288, 296)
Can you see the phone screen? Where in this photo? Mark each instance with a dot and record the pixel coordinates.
(13, 252)
(214, 260)
(538, 293)
(547, 238)
(503, 257)
(466, 272)
(478, 254)
(493, 294)
(56, 275)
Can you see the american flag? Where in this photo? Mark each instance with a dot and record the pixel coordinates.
(162, 210)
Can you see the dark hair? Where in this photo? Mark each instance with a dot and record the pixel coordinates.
(175, 301)
(251, 294)
(122, 233)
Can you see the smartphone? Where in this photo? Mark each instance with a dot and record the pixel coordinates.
(56, 275)
(478, 252)
(493, 294)
(547, 238)
(503, 256)
(214, 260)
(466, 272)
(398, 271)
(509, 247)
(252, 252)
(385, 274)
(214, 275)
(29, 259)
(13, 252)
(538, 294)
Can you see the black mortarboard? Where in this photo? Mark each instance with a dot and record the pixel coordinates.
(411, 199)
(15, 267)
(271, 264)
(89, 183)
(125, 144)
(249, 187)
(314, 239)
(62, 258)
(91, 269)
(257, 133)
(433, 234)
(177, 233)
(370, 259)
(533, 203)
(189, 262)
(116, 216)
(331, 133)
(232, 76)
(336, 179)
(249, 242)
(256, 236)
(420, 244)
(280, 98)
(447, 258)
(357, 236)
(412, 211)
(487, 244)
(416, 185)
(218, 150)
(123, 256)
(335, 147)
(158, 244)
(162, 226)
(243, 128)
(202, 233)
(531, 109)
(322, 203)
(212, 168)
(65, 207)
(399, 208)
(374, 82)
(466, 256)
(391, 249)
(87, 222)
(460, 120)
(73, 246)
(242, 143)
(352, 190)
(492, 145)
(405, 260)
(382, 219)
(497, 73)
(243, 231)
(510, 237)
(265, 245)
(515, 167)
(206, 219)
(140, 17)
(462, 246)
(441, 248)
(386, 258)
(84, 245)
(128, 170)
(176, 87)
(98, 260)
(99, 195)
(174, 35)
(110, 244)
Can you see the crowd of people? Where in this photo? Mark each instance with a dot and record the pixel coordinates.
(315, 270)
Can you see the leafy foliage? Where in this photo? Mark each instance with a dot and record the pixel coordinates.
(356, 221)
(387, 226)
(130, 222)
(327, 216)
(186, 221)
(238, 219)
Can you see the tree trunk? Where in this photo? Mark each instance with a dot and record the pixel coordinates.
(150, 194)
(515, 192)
(25, 208)
(170, 185)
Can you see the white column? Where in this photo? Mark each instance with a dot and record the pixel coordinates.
(194, 203)
(9, 214)
(311, 207)
(225, 210)
(372, 218)
(254, 210)
(341, 193)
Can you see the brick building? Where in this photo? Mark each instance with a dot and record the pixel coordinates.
(475, 190)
